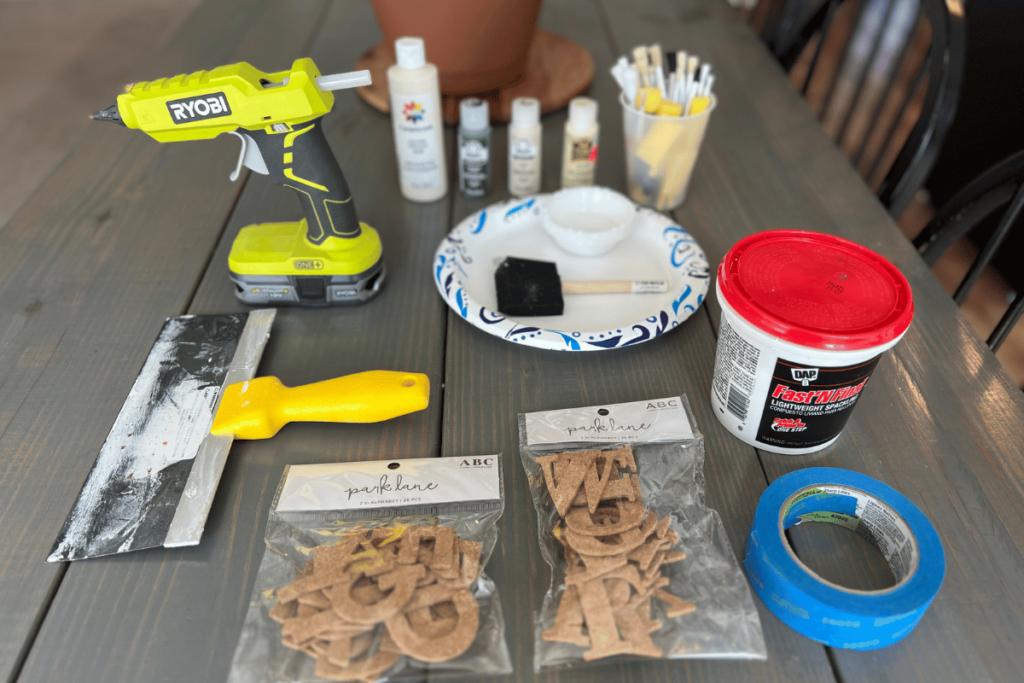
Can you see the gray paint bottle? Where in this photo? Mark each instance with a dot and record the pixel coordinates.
(474, 147)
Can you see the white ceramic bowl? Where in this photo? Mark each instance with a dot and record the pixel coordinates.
(588, 221)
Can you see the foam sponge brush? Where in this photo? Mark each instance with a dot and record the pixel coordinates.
(528, 287)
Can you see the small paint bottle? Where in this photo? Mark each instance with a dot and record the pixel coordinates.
(416, 118)
(579, 155)
(524, 147)
(474, 147)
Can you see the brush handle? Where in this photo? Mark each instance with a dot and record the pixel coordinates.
(614, 286)
(258, 408)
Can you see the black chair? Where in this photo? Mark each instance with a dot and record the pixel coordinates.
(1000, 186)
(876, 55)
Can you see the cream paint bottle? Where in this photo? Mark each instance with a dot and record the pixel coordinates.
(524, 147)
(579, 156)
(416, 118)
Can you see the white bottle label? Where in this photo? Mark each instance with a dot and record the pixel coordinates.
(523, 167)
(524, 149)
(579, 161)
(415, 120)
(474, 152)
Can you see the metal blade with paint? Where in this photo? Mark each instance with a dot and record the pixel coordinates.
(156, 474)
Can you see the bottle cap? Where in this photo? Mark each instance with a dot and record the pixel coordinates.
(582, 113)
(525, 112)
(410, 53)
(474, 114)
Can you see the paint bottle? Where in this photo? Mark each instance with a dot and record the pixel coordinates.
(416, 118)
(474, 147)
(524, 147)
(579, 156)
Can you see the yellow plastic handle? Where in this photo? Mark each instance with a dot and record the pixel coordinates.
(258, 408)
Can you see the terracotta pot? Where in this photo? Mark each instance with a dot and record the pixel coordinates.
(477, 45)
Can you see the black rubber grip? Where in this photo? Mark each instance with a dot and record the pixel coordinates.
(302, 160)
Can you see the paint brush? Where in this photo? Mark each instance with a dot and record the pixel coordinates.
(656, 65)
(678, 77)
(528, 288)
(691, 78)
(640, 58)
(630, 84)
(670, 67)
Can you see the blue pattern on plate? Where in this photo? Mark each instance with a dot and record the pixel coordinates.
(569, 341)
(520, 208)
(681, 299)
(497, 317)
(440, 266)
(607, 343)
(480, 225)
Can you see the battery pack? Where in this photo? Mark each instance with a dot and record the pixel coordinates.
(274, 264)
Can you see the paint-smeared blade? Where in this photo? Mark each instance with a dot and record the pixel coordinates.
(136, 485)
(194, 507)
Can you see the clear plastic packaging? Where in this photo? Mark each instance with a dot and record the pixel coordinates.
(659, 597)
(392, 508)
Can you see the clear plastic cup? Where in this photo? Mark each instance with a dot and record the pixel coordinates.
(661, 152)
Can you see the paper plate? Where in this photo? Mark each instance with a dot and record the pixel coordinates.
(657, 249)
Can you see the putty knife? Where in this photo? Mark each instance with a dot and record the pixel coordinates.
(154, 479)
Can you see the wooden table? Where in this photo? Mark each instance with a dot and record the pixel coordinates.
(127, 232)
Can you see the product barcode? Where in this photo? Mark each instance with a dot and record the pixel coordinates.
(738, 402)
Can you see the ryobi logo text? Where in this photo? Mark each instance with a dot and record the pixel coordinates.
(198, 108)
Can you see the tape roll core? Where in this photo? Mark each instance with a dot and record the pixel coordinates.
(821, 610)
(791, 515)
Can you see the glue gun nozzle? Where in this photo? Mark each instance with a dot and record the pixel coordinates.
(109, 114)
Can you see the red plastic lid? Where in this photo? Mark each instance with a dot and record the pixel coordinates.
(816, 290)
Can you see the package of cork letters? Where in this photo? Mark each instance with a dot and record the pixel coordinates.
(640, 567)
(373, 571)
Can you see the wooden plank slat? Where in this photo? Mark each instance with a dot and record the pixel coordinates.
(489, 381)
(77, 60)
(941, 422)
(89, 267)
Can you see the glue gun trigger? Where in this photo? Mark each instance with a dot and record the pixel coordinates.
(249, 157)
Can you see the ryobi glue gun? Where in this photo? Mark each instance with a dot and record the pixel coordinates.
(327, 258)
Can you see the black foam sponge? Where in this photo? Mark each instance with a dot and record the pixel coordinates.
(528, 287)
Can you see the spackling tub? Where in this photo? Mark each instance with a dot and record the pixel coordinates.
(805, 319)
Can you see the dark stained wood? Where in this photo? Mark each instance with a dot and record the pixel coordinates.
(489, 381)
(63, 59)
(127, 232)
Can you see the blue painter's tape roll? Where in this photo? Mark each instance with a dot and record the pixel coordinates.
(823, 611)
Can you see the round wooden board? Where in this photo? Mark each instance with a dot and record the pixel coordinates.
(557, 69)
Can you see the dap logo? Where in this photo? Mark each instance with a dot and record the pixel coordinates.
(476, 462)
(804, 375)
(413, 111)
(198, 108)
